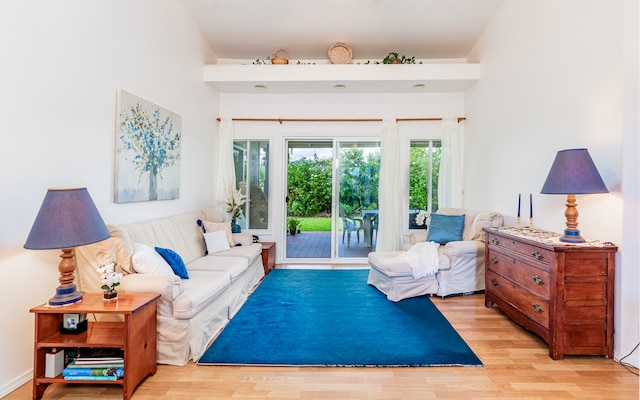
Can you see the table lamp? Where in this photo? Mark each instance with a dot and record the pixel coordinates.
(573, 172)
(67, 218)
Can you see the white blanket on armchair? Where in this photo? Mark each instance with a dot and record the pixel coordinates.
(423, 259)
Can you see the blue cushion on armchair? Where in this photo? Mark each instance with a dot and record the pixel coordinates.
(445, 228)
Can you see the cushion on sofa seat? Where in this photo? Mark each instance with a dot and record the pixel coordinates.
(174, 260)
(216, 241)
(210, 226)
(116, 248)
(198, 291)
(146, 260)
(250, 252)
(234, 266)
(390, 265)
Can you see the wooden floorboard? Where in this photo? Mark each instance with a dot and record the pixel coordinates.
(516, 366)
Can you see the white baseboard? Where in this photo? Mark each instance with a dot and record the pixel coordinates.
(9, 387)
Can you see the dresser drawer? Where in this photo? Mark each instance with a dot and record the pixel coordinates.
(529, 303)
(535, 279)
(527, 250)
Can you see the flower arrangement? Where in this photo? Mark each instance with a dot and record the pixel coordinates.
(110, 278)
(235, 201)
(423, 218)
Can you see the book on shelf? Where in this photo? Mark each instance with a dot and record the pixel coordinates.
(115, 364)
(117, 372)
(91, 378)
(99, 356)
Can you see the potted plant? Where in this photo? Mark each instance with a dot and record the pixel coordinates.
(394, 58)
(292, 225)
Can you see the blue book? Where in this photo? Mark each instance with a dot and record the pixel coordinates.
(93, 372)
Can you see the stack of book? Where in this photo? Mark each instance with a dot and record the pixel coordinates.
(96, 365)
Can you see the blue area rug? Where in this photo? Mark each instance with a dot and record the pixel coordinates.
(334, 318)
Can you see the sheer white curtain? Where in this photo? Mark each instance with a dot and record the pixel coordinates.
(450, 184)
(389, 192)
(225, 174)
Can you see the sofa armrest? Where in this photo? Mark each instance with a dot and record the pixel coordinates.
(418, 236)
(169, 287)
(463, 248)
(245, 239)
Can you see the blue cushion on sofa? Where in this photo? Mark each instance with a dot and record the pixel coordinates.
(445, 228)
(175, 261)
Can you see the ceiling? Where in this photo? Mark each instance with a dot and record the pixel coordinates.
(424, 29)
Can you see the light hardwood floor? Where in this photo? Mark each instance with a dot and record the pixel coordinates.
(516, 366)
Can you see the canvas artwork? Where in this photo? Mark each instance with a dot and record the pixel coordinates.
(147, 151)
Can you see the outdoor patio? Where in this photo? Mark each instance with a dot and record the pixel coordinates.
(318, 245)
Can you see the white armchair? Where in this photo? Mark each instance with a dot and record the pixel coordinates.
(460, 263)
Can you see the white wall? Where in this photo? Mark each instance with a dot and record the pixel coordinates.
(61, 65)
(343, 106)
(554, 76)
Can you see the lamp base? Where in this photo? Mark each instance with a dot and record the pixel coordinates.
(65, 294)
(571, 236)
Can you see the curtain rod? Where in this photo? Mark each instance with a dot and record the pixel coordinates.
(281, 120)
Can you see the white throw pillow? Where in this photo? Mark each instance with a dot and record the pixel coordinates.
(216, 241)
(146, 260)
(220, 226)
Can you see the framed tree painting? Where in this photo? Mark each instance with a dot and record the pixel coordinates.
(147, 151)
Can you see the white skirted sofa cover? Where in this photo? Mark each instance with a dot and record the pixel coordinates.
(460, 264)
(190, 311)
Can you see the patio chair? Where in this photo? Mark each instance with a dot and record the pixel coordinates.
(350, 224)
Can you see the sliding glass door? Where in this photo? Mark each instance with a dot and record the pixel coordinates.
(332, 199)
(309, 200)
(357, 198)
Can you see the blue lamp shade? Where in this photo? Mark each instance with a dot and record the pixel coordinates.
(573, 172)
(67, 218)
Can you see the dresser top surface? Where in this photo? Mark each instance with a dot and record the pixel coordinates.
(549, 239)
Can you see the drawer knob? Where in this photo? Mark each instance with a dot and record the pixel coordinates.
(537, 307)
(537, 280)
(537, 255)
(494, 259)
(494, 282)
(495, 241)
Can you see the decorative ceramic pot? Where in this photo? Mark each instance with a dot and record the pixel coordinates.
(110, 295)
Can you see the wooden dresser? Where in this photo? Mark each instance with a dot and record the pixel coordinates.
(560, 291)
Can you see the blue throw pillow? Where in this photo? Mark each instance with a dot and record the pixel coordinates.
(175, 261)
(445, 228)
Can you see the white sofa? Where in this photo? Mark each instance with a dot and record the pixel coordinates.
(460, 263)
(190, 311)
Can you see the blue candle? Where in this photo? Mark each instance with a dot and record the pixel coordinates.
(530, 205)
(519, 194)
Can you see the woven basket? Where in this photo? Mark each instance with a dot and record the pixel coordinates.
(340, 53)
(276, 59)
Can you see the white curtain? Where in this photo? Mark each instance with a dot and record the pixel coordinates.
(389, 192)
(225, 174)
(450, 184)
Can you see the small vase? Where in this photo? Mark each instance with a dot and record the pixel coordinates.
(110, 295)
(235, 228)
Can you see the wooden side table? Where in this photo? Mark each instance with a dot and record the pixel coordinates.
(268, 256)
(135, 335)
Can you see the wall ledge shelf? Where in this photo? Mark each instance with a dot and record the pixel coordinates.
(342, 78)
